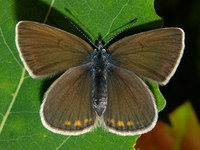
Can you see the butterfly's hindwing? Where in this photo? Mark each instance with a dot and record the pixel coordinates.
(131, 106)
(67, 107)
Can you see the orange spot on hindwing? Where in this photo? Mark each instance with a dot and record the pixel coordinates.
(120, 123)
(68, 123)
(129, 123)
(111, 121)
(77, 123)
(87, 120)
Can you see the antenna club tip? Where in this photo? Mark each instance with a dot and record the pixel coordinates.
(134, 21)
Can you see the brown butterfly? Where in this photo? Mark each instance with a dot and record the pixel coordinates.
(99, 85)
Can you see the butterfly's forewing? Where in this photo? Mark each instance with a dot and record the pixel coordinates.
(67, 107)
(154, 54)
(131, 109)
(46, 50)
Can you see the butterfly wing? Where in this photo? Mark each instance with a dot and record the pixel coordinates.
(67, 107)
(154, 54)
(131, 109)
(46, 50)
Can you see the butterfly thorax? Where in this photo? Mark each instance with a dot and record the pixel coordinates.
(99, 75)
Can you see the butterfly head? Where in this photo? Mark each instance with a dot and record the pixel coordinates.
(100, 46)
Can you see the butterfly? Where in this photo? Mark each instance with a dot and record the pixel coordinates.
(99, 84)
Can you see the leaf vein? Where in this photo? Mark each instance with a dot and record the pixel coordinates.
(63, 143)
(120, 11)
(49, 10)
(4, 40)
(12, 101)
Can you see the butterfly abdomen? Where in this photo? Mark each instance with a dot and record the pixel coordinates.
(99, 77)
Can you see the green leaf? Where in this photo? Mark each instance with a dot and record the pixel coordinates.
(160, 100)
(21, 96)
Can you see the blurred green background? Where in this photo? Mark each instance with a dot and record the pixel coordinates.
(185, 84)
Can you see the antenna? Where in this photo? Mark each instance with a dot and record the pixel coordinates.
(130, 24)
(79, 29)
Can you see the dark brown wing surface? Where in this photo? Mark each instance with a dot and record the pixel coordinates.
(131, 108)
(154, 54)
(46, 50)
(67, 107)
